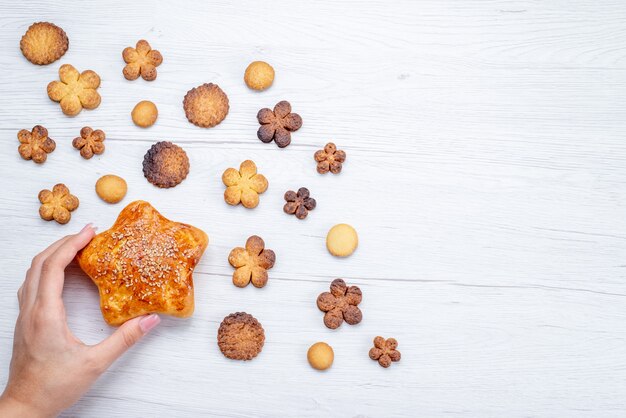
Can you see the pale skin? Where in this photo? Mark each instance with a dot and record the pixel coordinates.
(51, 368)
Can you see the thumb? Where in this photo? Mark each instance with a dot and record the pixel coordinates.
(123, 338)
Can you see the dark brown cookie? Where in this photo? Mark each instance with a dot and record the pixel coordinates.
(165, 164)
(340, 304)
(299, 203)
(278, 124)
(240, 336)
(206, 105)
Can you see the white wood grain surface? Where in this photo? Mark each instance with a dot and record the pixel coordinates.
(486, 177)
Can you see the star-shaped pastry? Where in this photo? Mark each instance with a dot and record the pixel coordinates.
(144, 264)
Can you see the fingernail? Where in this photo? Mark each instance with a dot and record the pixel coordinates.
(149, 322)
(89, 225)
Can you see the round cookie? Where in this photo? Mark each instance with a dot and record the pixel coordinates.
(240, 336)
(43, 43)
(259, 75)
(206, 105)
(342, 240)
(320, 356)
(111, 188)
(144, 114)
(165, 164)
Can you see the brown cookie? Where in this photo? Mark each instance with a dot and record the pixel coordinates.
(206, 105)
(43, 43)
(36, 144)
(240, 336)
(165, 164)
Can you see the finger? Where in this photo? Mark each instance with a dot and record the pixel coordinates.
(31, 282)
(53, 267)
(123, 338)
(20, 292)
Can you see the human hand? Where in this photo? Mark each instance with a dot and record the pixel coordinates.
(51, 368)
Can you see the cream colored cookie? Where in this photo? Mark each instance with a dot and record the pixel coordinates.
(320, 356)
(111, 188)
(342, 240)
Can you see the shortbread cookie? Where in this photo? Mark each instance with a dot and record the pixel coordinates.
(240, 336)
(76, 90)
(90, 142)
(141, 60)
(342, 240)
(35, 145)
(165, 164)
(259, 75)
(206, 105)
(244, 185)
(320, 356)
(144, 114)
(43, 43)
(57, 204)
(111, 188)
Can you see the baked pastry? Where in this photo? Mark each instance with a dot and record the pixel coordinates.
(90, 142)
(43, 43)
(35, 145)
(251, 263)
(244, 185)
(259, 75)
(385, 351)
(57, 204)
(240, 336)
(277, 124)
(144, 114)
(111, 188)
(76, 90)
(141, 60)
(165, 164)
(206, 105)
(329, 159)
(144, 264)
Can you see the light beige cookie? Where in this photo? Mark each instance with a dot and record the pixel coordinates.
(342, 240)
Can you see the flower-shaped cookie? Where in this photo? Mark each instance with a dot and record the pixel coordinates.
(299, 203)
(277, 125)
(141, 60)
(35, 145)
(385, 351)
(340, 304)
(251, 263)
(244, 185)
(89, 142)
(76, 90)
(57, 204)
(329, 159)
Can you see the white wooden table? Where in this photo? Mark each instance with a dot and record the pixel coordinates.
(486, 177)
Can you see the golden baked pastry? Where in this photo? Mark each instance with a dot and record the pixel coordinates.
(57, 204)
(90, 142)
(144, 114)
(259, 75)
(76, 90)
(206, 105)
(43, 43)
(36, 144)
(144, 264)
(111, 188)
(165, 164)
(244, 185)
(141, 60)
